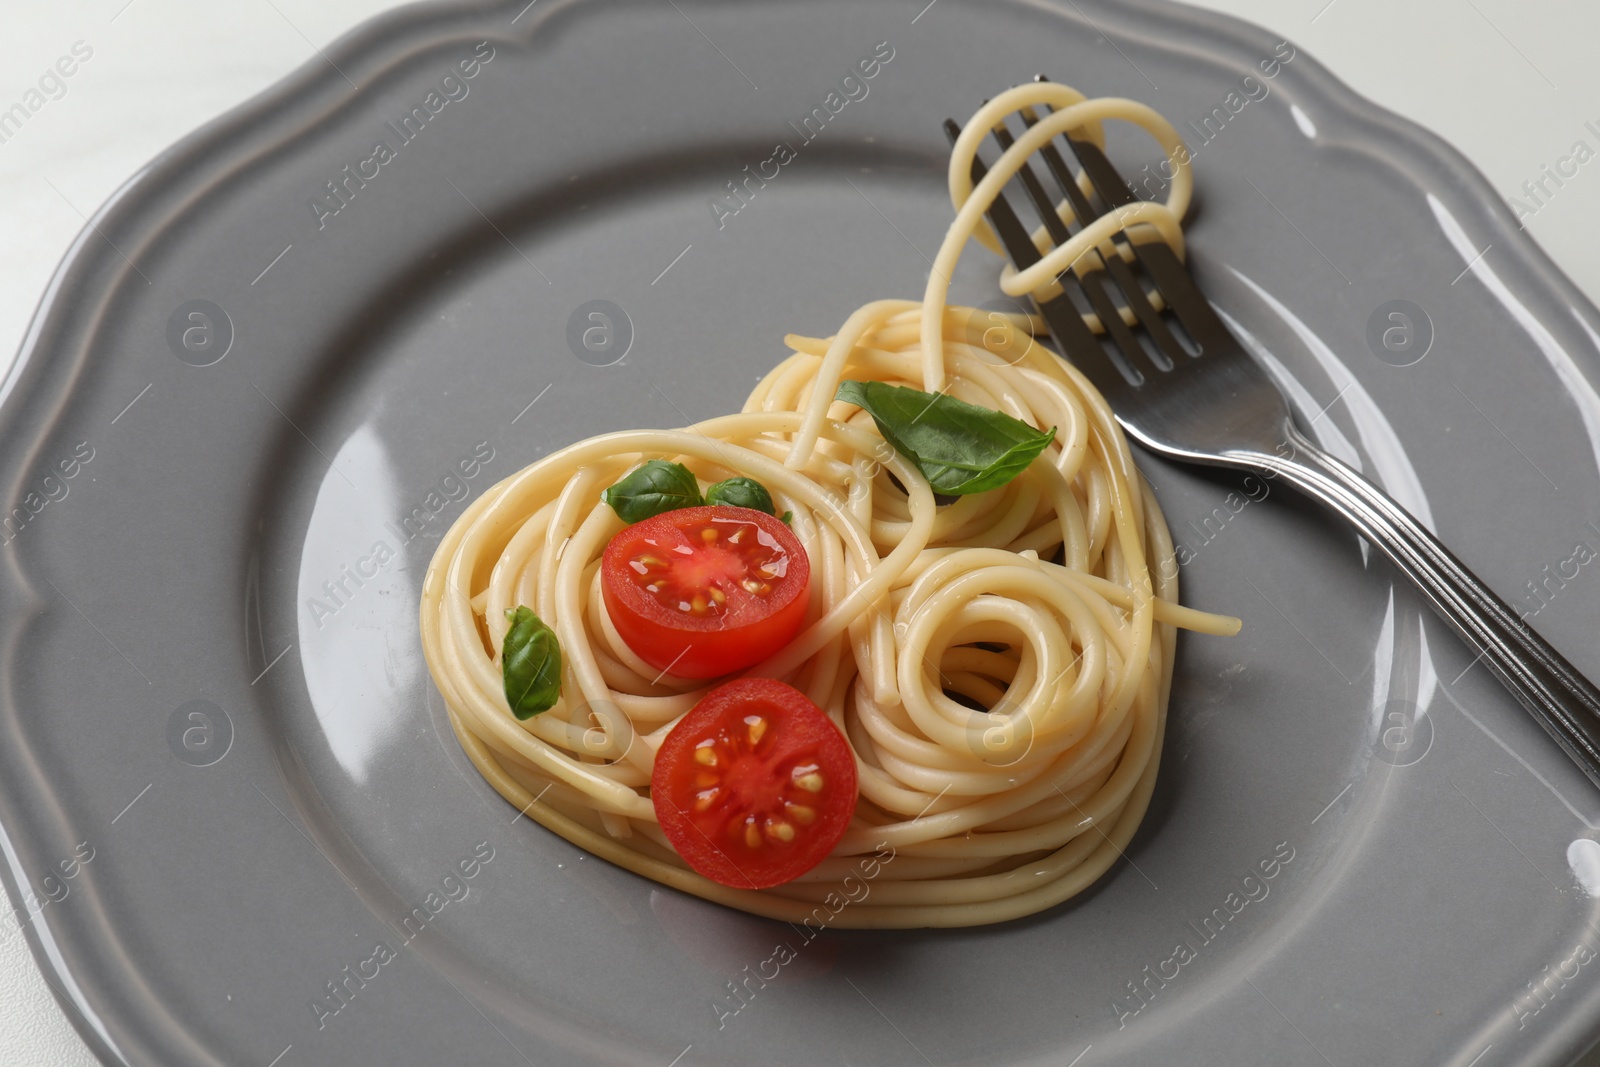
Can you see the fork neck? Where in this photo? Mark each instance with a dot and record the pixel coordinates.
(1325, 478)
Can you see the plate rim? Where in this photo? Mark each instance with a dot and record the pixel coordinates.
(88, 275)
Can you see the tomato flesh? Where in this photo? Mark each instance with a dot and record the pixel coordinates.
(701, 592)
(755, 786)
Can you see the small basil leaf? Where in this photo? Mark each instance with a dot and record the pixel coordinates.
(787, 518)
(652, 488)
(531, 664)
(741, 493)
(960, 448)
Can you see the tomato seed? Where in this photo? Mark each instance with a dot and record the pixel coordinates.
(757, 727)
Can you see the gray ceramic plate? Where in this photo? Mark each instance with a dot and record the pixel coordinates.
(235, 820)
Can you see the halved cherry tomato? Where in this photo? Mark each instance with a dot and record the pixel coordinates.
(701, 592)
(755, 785)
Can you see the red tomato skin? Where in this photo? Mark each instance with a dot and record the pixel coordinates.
(688, 647)
(801, 733)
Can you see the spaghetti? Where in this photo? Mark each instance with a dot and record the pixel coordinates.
(999, 665)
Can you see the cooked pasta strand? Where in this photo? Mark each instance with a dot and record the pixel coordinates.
(1050, 602)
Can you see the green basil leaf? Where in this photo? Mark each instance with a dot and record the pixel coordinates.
(787, 518)
(741, 493)
(531, 664)
(652, 488)
(960, 448)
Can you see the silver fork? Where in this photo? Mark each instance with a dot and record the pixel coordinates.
(1219, 408)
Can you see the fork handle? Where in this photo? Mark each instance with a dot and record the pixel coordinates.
(1563, 701)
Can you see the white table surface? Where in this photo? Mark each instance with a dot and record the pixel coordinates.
(1509, 82)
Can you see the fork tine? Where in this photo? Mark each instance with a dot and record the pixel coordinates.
(1171, 278)
(1093, 283)
(1132, 291)
(1072, 334)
